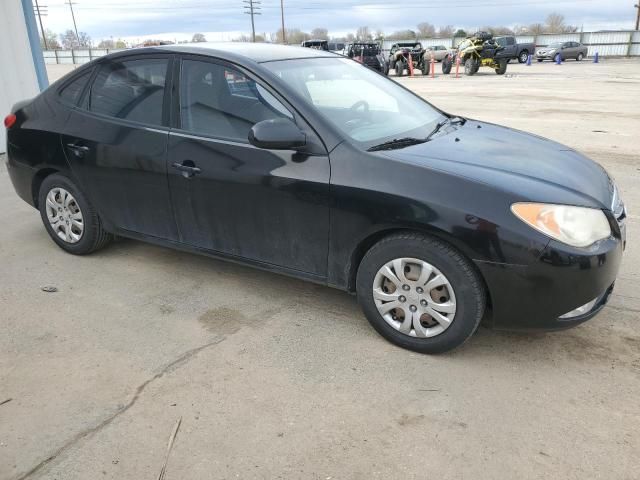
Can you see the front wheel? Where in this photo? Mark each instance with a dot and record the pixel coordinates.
(70, 220)
(470, 67)
(420, 293)
(399, 67)
(580, 57)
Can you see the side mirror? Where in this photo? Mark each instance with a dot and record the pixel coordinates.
(277, 134)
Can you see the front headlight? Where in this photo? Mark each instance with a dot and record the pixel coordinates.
(575, 226)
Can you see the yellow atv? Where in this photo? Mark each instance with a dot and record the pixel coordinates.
(479, 50)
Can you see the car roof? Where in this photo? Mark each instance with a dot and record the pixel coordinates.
(257, 52)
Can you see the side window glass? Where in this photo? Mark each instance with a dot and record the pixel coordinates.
(70, 94)
(222, 102)
(131, 90)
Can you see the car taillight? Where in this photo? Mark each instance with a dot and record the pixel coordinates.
(9, 120)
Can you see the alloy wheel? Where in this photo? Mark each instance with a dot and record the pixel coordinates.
(64, 215)
(414, 297)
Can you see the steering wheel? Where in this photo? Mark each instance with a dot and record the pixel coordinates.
(361, 103)
(360, 111)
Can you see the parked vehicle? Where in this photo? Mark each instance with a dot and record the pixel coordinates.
(336, 47)
(400, 54)
(565, 49)
(479, 50)
(316, 44)
(302, 162)
(368, 53)
(439, 52)
(511, 49)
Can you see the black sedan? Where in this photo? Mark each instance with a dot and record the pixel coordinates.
(306, 163)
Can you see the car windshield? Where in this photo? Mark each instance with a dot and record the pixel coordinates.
(555, 45)
(361, 103)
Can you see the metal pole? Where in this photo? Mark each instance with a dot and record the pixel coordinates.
(284, 35)
(637, 16)
(73, 17)
(44, 37)
(253, 27)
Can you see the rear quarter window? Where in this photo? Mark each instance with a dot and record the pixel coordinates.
(70, 93)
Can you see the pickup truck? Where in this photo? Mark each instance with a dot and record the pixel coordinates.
(513, 49)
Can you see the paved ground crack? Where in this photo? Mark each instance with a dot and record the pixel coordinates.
(171, 366)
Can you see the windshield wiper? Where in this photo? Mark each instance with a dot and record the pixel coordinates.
(397, 143)
(442, 123)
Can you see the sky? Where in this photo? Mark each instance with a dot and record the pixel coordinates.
(224, 19)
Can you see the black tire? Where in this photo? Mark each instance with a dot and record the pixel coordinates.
(471, 66)
(94, 236)
(523, 57)
(469, 290)
(447, 64)
(399, 67)
(502, 67)
(579, 57)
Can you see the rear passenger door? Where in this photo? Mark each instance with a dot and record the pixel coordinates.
(116, 143)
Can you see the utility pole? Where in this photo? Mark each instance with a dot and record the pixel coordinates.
(73, 17)
(284, 34)
(637, 5)
(41, 11)
(251, 8)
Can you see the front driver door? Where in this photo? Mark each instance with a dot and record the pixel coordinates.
(267, 206)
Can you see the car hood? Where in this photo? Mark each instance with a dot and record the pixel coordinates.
(532, 167)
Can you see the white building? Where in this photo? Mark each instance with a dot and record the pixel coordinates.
(22, 70)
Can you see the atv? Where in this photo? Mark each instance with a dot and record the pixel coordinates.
(399, 57)
(479, 50)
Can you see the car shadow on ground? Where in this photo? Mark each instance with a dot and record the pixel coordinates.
(592, 341)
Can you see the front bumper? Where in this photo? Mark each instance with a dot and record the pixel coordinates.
(546, 56)
(534, 297)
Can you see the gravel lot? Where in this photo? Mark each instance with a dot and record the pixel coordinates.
(278, 378)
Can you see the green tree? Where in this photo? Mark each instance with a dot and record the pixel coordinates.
(198, 38)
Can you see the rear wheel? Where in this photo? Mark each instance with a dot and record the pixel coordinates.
(524, 56)
(69, 218)
(420, 293)
(447, 64)
(502, 67)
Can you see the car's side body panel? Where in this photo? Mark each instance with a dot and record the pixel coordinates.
(312, 213)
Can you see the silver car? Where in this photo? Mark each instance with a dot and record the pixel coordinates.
(438, 52)
(566, 50)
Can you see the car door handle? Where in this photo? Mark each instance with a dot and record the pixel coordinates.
(187, 168)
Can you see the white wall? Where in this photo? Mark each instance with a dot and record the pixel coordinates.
(18, 79)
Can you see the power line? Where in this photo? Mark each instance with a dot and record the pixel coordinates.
(252, 8)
